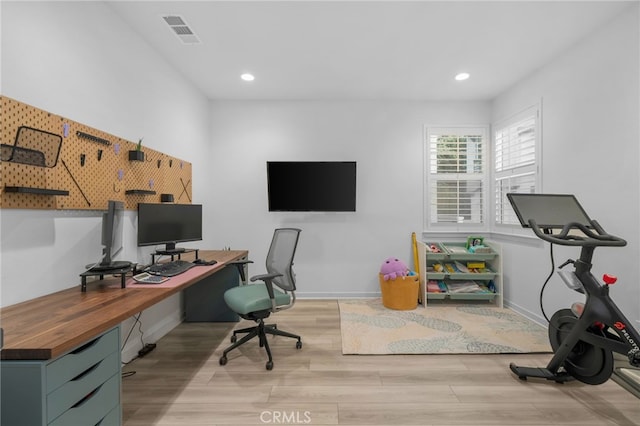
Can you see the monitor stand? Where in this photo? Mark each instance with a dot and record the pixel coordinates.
(114, 268)
(172, 253)
(115, 265)
(170, 249)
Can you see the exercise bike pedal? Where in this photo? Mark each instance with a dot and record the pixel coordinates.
(540, 373)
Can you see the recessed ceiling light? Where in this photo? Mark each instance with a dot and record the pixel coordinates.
(247, 77)
(462, 76)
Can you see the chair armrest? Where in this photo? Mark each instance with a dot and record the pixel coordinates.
(239, 262)
(264, 277)
(268, 278)
(240, 265)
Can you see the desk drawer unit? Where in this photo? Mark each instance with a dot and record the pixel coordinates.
(81, 387)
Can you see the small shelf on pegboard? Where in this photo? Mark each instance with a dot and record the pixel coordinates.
(139, 192)
(30, 190)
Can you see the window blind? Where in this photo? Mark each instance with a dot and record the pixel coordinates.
(456, 176)
(515, 145)
(524, 183)
(516, 158)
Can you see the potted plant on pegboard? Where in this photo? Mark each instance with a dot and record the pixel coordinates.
(137, 154)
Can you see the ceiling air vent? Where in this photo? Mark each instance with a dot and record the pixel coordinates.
(181, 29)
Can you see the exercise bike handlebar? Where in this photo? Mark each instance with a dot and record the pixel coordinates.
(600, 238)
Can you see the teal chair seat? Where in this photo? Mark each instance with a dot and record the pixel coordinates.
(253, 298)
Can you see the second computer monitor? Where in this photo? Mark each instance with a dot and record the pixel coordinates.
(169, 224)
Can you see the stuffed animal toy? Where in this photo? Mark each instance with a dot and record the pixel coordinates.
(393, 268)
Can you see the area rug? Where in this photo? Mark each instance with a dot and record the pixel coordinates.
(368, 328)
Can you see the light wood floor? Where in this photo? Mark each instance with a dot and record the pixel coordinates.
(181, 383)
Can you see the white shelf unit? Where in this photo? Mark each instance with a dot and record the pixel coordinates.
(493, 262)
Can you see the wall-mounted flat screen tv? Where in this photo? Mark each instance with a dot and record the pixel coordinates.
(311, 186)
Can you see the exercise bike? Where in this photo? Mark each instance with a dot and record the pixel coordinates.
(584, 337)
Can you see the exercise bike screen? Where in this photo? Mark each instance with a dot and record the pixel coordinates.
(548, 210)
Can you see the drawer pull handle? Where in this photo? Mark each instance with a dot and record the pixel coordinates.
(84, 347)
(101, 420)
(87, 397)
(85, 372)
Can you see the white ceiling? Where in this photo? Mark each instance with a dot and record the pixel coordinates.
(407, 50)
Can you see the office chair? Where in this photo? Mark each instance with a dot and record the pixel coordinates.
(258, 301)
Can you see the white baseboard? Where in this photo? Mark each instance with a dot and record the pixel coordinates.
(539, 319)
(337, 295)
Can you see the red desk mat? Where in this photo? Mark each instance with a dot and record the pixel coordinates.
(175, 281)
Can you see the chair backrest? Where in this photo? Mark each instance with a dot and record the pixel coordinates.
(280, 257)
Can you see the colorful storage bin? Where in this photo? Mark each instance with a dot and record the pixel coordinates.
(400, 293)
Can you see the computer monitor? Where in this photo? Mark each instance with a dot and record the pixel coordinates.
(549, 211)
(112, 231)
(169, 224)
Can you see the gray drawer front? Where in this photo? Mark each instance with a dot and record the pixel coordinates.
(76, 389)
(21, 392)
(95, 407)
(112, 418)
(74, 363)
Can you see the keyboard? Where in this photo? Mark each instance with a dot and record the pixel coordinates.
(170, 269)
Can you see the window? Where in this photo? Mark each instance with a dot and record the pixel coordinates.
(456, 178)
(516, 161)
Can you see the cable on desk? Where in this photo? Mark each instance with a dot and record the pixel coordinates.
(137, 318)
(137, 321)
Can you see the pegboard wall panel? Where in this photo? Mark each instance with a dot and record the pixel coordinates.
(181, 187)
(89, 163)
(90, 168)
(22, 175)
(14, 175)
(157, 175)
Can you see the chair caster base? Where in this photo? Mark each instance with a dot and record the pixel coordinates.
(223, 360)
(269, 365)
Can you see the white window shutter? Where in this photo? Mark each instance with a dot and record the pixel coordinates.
(456, 176)
(516, 150)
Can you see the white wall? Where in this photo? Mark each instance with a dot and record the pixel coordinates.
(590, 110)
(339, 254)
(79, 60)
(591, 148)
